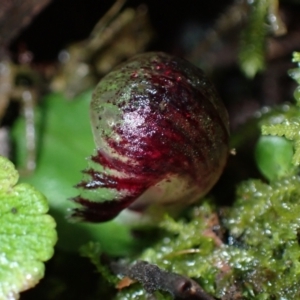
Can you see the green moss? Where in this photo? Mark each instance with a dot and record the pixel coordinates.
(253, 39)
(259, 260)
(264, 220)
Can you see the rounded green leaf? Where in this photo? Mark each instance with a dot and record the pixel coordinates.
(274, 156)
(27, 233)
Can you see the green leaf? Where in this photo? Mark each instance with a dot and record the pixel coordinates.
(65, 142)
(27, 233)
(290, 130)
(274, 155)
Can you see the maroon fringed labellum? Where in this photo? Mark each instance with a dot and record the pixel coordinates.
(161, 133)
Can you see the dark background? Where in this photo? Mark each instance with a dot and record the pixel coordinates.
(65, 21)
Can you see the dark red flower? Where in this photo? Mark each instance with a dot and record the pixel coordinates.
(161, 133)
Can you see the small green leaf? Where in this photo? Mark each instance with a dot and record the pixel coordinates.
(27, 233)
(290, 130)
(274, 156)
